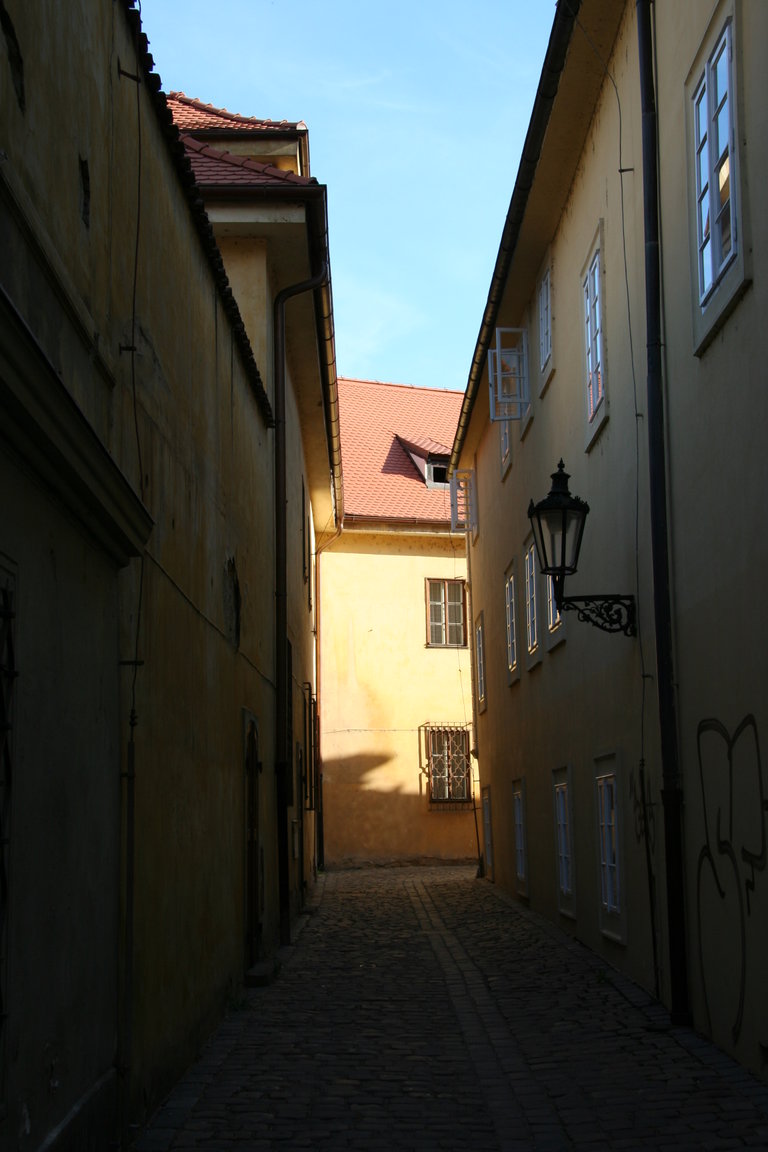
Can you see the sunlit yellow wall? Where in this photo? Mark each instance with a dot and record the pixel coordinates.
(379, 682)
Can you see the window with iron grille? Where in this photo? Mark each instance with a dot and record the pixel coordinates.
(447, 763)
(446, 614)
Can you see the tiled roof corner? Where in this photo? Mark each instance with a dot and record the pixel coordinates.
(215, 168)
(380, 424)
(192, 115)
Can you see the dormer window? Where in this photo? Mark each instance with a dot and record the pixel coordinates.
(430, 459)
(437, 472)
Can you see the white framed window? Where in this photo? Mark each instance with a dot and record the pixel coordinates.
(463, 501)
(718, 209)
(521, 836)
(510, 612)
(593, 336)
(555, 621)
(545, 322)
(593, 327)
(610, 896)
(607, 807)
(480, 660)
(505, 447)
(510, 392)
(446, 613)
(713, 141)
(563, 816)
(532, 626)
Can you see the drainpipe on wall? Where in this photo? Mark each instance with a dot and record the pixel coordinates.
(672, 795)
(282, 749)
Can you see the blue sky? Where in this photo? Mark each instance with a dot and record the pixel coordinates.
(417, 112)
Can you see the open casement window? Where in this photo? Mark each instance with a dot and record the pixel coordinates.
(446, 616)
(445, 762)
(463, 501)
(508, 374)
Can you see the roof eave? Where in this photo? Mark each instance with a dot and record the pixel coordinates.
(554, 62)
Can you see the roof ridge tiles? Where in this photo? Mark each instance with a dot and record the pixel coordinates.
(225, 114)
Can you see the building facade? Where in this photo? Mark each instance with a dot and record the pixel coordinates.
(622, 779)
(156, 707)
(395, 686)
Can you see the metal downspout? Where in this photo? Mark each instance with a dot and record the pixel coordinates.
(672, 795)
(282, 750)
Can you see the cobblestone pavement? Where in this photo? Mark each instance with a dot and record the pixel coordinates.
(421, 1009)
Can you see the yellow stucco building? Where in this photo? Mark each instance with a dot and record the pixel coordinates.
(395, 687)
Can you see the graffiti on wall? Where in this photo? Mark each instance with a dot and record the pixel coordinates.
(734, 852)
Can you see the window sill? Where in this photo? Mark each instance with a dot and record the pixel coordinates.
(451, 806)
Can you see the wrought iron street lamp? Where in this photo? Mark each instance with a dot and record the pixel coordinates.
(558, 526)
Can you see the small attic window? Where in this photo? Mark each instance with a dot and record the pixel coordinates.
(437, 472)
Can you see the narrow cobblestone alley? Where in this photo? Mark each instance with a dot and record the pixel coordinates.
(421, 1009)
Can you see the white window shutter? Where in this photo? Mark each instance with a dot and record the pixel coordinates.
(462, 500)
(508, 374)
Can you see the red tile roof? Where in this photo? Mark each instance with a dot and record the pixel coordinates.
(381, 481)
(192, 115)
(214, 168)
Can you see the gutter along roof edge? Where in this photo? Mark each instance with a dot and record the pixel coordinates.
(181, 163)
(554, 62)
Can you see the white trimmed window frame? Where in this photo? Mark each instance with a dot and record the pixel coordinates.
(610, 881)
(532, 605)
(519, 823)
(510, 618)
(714, 295)
(545, 314)
(480, 682)
(443, 631)
(505, 447)
(555, 620)
(593, 319)
(565, 872)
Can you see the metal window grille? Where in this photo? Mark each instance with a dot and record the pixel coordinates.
(510, 393)
(446, 751)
